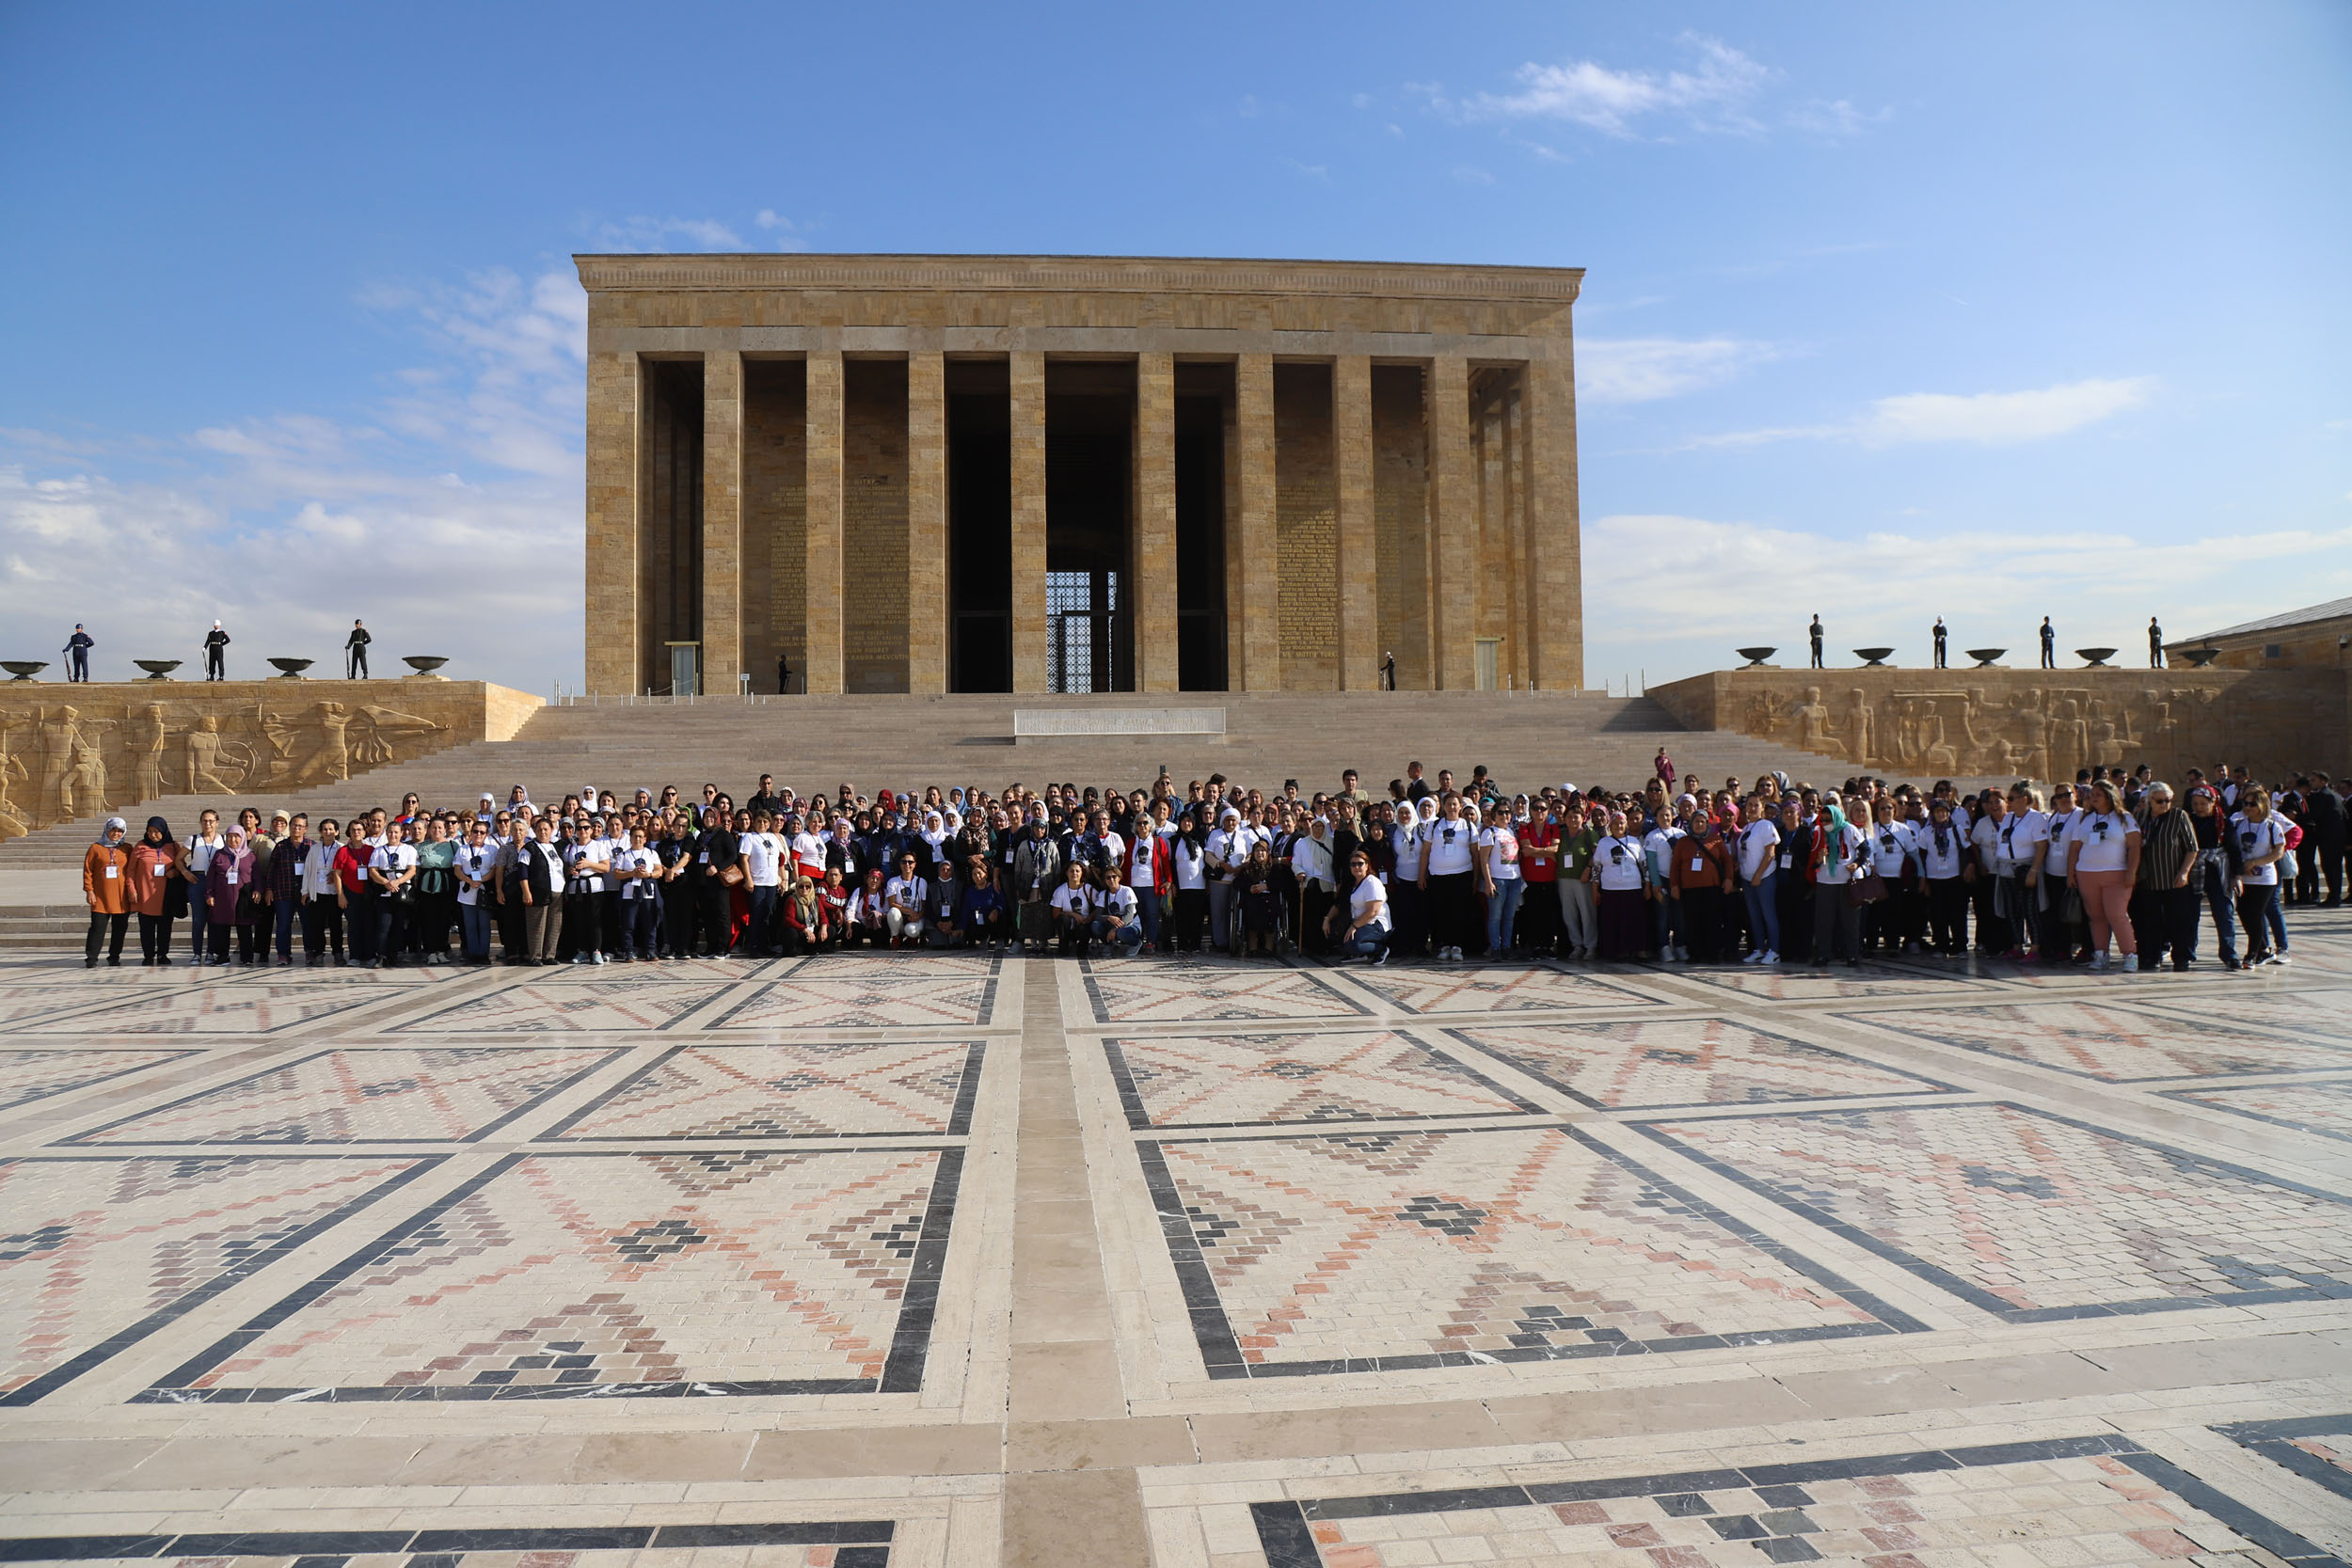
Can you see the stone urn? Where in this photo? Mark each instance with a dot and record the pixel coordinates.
(291, 669)
(2095, 658)
(157, 668)
(1756, 657)
(1984, 657)
(2199, 657)
(424, 664)
(24, 669)
(1873, 659)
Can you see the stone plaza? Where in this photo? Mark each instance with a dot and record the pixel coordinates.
(959, 1259)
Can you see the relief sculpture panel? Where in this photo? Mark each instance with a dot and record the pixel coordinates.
(70, 752)
(2043, 726)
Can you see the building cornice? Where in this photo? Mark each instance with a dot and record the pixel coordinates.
(1141, 275)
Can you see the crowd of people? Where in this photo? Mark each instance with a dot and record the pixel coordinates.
(1776, 872)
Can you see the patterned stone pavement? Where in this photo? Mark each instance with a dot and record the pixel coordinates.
(924, 1260)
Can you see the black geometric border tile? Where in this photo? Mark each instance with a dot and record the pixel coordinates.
(1615, 982)
(2208, 1096)
(1285, 1529)
(171, 1311)
(2187, 1008)
(1944, 1280)
(902, 1372)
(1721, 976)
(1221, 1348)
(31, 1096)
(1934, 1085)
(1343, 1006)
(913, 961)
(1892, 1022)
(82, 1138)
(959, 1118)
(95, 1018)
(861, 1542)
(1140, 1117)
(2274, 1441)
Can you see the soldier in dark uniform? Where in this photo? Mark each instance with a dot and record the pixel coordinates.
(1940, 635)
(77, 649)
(2156, 644)
(1817, 642)
(355, 652)
(2049, 645)
(216, 654)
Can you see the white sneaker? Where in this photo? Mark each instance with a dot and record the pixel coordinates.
(1455, 954)
(1682, 955)
(1771, 957)
(2098, 962)
(1754, 958)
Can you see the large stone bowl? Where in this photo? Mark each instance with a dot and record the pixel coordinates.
(1756, 657)
(2199, 657)
(424, 664)
(2095, 657)
(157, 668)
(1873, 659)
(291, 669)
(1984, 657)
(24, 669)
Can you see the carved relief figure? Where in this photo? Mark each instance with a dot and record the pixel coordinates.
(383, 728)
(148, 740)
(328, 756)
(85, 781)
(1858, 717)
(1934, 750)
(1813, 722)
(204, 758)
(12, 824)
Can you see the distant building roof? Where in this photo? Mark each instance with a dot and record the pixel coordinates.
(2334, 609)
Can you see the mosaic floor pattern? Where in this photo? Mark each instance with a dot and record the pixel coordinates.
(1237, 1080)
(969, 1261)
(579, 1275)
(2112, 1043)
(790, 1091)
(368, 1095)
(1679, 1062)
(1371, 1251)
(2034, 1216)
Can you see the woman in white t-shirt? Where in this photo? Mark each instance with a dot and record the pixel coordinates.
(2260, 836)
(1620, 870)
(2024, 831)
(1498, 852)
(2103, 861)
(1448, 877)
(1760, 859)
(2059, 938)
(1367, 933)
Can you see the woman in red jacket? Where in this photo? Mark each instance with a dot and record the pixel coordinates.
(155, 867)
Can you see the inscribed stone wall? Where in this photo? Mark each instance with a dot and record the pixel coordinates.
(1400, 501)
(874, 527)
(1306, 506)
(775, 512)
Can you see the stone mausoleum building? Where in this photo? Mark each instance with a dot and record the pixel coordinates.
(1048, 473)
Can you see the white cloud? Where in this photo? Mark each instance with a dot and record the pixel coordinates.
(1713, 96)
(1642, 369)
(449, 515)
(1984, 418)
(1470, 174)
(1741, 584)
(652, 233)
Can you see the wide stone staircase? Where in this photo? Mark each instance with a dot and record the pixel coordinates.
(1525, 739)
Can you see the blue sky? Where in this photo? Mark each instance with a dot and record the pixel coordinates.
(1988, 311)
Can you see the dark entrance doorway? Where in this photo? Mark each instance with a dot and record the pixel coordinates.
(980, 526)
(1203, 393)
(1090, 488)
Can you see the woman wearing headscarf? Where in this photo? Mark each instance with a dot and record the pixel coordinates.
(1188, 864)
(155, 887)
(226, 881)
(1838, 849)
(106, 884)
(1408, 912)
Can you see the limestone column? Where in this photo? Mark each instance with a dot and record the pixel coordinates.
(822, 662)
(1154, 592)
(723, 520)
(1454, 529)
(1028, 522)
(1548, 458)
(927, 523)
(1253, 553)
(613, 600)
(1359, 565)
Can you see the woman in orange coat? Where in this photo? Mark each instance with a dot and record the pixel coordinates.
(154, 861)
(106, 883)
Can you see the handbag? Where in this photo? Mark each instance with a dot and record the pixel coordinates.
(731, 876)
(1868, 888)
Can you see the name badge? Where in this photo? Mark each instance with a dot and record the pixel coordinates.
(232, 876)
(114, 870)
(704, 857)
(1784, 862)
(1698, 865)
